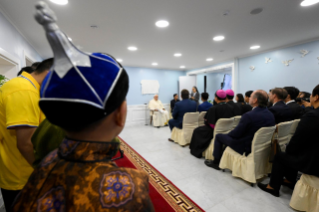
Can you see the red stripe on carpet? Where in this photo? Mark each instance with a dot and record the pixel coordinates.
(159, 202)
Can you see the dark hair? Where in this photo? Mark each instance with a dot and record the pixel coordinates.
(196, 89)
(315, 91)
(292, 91)
(261, 99)
(175, 95)
(240, 97)
(35, 65)
(229, 97)
(248, 93)
(27, 69)
(306, 94)
(280, 93)
(219, 97)
(45, 65)
(205, 96)
(185, 94)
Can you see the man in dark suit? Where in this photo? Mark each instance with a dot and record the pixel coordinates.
(240, 139)
(246, 107)
(182, 107)
(174, 101)
(229, 100)
(301, 152)
(291, 103)
(279, 108)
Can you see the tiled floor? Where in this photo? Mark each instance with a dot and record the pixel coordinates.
(213, 190)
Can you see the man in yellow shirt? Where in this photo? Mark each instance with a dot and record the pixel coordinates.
(20, 115)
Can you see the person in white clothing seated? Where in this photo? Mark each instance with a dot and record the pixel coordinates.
(158, 112)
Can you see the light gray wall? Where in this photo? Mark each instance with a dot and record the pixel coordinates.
(14, 43)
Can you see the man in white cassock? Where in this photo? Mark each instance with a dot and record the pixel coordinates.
(158, 112)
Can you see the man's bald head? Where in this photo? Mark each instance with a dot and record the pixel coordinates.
(156, 97)
(258, 98)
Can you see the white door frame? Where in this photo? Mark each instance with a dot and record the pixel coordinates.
(29, 57)
(216, 69)
(11, 59)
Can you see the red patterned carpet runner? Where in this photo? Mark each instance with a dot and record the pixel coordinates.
(165, 196)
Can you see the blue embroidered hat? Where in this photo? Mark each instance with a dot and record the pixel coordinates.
(81, 88)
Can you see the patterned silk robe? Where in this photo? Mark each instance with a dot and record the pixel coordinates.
(79, 176)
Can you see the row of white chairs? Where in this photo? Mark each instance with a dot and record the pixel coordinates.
(256, 165)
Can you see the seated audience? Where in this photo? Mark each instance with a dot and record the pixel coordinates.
(301, 152)
(161, 117)
(80, 175)
(240, 99)
(205, 105)
(290, 101)
(174, 101)
(203, 135)
(240, 139)
(182, 107)
(280, 110)
(246, 108)
(26, 69)
(303, 100)
(229, 100)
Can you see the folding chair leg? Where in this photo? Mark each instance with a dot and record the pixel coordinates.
(252, 185)
(223, 170)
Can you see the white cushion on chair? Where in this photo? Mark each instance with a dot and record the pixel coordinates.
(293, 128)
(223, 126)
(201, 121)
(236, 121)
(283, 134)
(184, 136)
(306, 194)
(255, 165)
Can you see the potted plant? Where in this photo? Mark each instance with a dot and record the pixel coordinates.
(3, 80)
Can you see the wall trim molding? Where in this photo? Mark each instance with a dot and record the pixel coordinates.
(10, 58)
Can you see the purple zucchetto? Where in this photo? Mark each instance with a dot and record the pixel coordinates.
(230, 92)
(221, 94)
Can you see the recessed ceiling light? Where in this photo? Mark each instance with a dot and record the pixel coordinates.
(119, 60)
(219, 38)
(70, 39)
(162, 23)
(256, 11)
(182, 67)
(306, 3)
(177, 54)
(254, 47)
(132, 48)
(154, 64)
(209, 59)
(60, 2)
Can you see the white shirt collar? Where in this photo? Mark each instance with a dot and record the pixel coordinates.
(290, 102)
(254, 107)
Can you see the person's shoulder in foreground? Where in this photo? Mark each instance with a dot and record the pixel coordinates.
(80, 175)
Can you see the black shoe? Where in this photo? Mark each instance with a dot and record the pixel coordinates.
(270, 191)
(289, 185)
(170, 140)
(212, 164)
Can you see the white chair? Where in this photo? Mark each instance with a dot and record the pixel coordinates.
(236, 121)
(223, 126)
(183, 136)
(282, 135)
(293, 128)
(306, 194)
(255, 165)
(201, 121)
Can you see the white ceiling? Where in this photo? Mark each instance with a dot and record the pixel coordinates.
(193, 24)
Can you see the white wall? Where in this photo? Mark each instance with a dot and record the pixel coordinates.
(14, 43)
